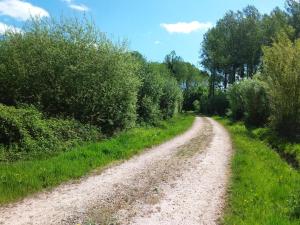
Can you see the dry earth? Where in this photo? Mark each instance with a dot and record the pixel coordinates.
(182, 181)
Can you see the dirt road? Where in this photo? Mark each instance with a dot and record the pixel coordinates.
(182, 181)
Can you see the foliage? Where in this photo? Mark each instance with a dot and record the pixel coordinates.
(235, 99)
(281, 71)
(68, 68)
(271, 25)
(190, 96)
(264, 188)
(25, 133)
(248, 99)
(214, 105)
(158, 97)
(171, 100)
(196, 106)
(177, 66)
(288, 149)
(256, 102)
(232, 48)
(187, 75)
(191, 80)
(293, 10)
(20, 179)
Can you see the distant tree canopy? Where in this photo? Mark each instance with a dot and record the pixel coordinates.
(247, 43)
(191, 80)
(232, 50)
(293, 11)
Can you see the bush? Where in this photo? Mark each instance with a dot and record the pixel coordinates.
(256, 102)
(214, 105)
(150, 94)
(70, 69)
(196, 106)
(281, 68)
(248, 99)
(171, 100)
(191, 95)
(159, 96)
(24, 132)
(236, 106)
(148, 110)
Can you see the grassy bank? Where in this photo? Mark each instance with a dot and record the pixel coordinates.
(22, 178)
(288, 149)
(264, 189)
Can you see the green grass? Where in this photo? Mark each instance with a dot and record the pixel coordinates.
(264, 189)
(289, 149)
(22, 178)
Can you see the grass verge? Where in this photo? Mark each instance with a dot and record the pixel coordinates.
(264, 189)
(22, 178)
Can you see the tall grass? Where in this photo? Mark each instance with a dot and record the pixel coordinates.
(264, 189)
(22, 178)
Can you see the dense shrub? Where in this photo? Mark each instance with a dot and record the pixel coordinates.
(236, 106)
(25, 132)
(69, 68)
(190, 96)
(171, 100)
(214, 105)
(256, 102)
(248, 99)
(196, 106)
(281, 68)
(150, 94)
(159, 96)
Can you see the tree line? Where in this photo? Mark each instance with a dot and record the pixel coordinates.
(253, 65)
(64, 80)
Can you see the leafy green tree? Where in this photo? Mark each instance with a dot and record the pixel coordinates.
(271, 25)
(281, 70)
(293, 10)
(177, 67)
(235, 98)
(150, 94)
(68, 68)
(158, 97)
(232, 49)
(171, 100)
(256, 102)
(248, 100)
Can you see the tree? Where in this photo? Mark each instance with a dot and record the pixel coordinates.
(232, 49)
(281, 70)
(177, 67)
(271, 25)
(293, 10)
(248, 100)
(68, 68)
(158, 97)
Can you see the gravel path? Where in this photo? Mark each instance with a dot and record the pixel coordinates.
(182, 181)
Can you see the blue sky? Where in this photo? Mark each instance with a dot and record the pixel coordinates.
(153, 27)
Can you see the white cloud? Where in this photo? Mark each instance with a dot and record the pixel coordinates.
(157, 42)
(186, 28)
(79, 7)
(21, 10)
(4, 27)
